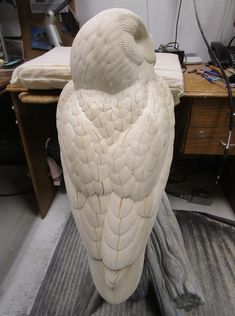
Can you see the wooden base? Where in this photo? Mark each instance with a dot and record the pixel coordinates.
(170, 271)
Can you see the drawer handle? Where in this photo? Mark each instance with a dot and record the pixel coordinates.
(201, 134)
(224, 144)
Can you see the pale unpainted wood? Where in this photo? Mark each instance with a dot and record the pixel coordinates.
(167, 268)
(197, 86)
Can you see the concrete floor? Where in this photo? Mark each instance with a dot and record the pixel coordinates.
(204, 180)
(27, 242)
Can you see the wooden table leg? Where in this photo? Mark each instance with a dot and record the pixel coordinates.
(36, 123)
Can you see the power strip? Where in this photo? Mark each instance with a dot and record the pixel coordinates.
(192, 59)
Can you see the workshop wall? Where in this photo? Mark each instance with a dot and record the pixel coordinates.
(216, 17)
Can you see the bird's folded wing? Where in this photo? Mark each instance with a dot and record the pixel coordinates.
(139, 164)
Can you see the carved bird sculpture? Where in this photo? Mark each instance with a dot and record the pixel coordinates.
(115, 123)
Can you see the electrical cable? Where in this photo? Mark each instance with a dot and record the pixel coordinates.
(229, 44)
(175, 44)
(173, 47)
(225, 18)
(177, 21)
(219, 33)
(230, 95)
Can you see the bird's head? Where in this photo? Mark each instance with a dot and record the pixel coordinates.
(111, 52)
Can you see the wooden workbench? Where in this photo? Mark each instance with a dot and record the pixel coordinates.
(36, 118)
(202, 121)
(203, 116)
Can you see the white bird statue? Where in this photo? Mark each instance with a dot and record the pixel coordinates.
(115, 123)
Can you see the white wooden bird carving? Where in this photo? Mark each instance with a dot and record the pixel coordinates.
(115, 124)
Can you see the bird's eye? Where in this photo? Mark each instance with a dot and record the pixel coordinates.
(144, 42)
(140, 35)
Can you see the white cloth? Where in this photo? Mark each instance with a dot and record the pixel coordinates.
(168, 66)
(52, 71)
(48, 71)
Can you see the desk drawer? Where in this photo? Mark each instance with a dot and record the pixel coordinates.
(207, 141)
(209, 112)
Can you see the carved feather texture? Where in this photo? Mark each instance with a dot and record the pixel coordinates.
(116, 148)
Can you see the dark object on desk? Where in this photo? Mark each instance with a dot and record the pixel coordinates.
(70, 24)
(231, 79)
(12, 63)
(226, 55)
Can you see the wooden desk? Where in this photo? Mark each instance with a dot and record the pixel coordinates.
(202, 123)
(197, 86)
(202, 117)
(36, 116)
